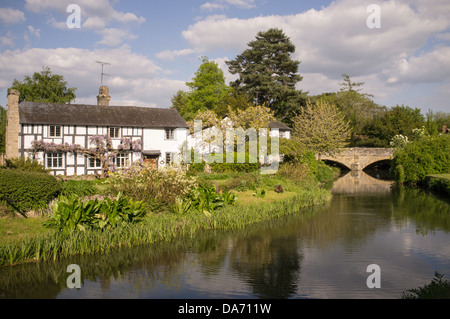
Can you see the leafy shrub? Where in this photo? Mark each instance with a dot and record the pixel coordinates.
(224, 167)
(369, 142)
(26, 191)
(292, 149)
(157, 187)
(325, 174)
(426, 156)
(243, 182)
(195, 168)
(181, 206)
(295, 171)
(25, 164)
(73, 213)
(436, 289)
(309, 165)
(204, 199)
(260, 193)
(78, 187)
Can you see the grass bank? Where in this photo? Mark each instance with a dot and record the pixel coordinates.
(28, 240)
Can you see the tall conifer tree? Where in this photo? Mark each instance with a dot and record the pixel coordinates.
(268, 73)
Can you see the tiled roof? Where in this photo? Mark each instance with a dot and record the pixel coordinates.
(93, 115)
(279, 125)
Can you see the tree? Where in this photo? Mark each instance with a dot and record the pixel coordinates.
(255, 117)
(436, 121)
(44, 87)
(358, 108)
(207, 91)
(425, 156)
(234, 101)
(179, 102)
(321, 127)
(349, 86)
(398, 120)
(268, 73)
(207, 88)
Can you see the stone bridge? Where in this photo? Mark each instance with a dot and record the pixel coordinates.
(358, 158)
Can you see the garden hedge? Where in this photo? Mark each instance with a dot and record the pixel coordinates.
(26, 191)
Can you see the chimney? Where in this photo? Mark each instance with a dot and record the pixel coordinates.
(12, 125)
(103, 97)
(444, 129)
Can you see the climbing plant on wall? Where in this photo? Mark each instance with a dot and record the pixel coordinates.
(100, 149)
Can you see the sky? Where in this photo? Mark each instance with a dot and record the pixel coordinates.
(400, 51)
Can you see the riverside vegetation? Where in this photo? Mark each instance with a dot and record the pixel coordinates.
(142, 205)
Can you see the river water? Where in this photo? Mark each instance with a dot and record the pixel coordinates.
(322, 252)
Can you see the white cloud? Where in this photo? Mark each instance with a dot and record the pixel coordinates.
(225, 4)
(246, 4)
(433, 66)
(114, 37)
(34, 32)
(133, 80)
(127, 17)
(443, 36)
(209, 6)
(328, 40)
(336, 40)
(31, 33)
(98, 16)
(11, 16)
(172, 54)
(7, 41)
(99, 8)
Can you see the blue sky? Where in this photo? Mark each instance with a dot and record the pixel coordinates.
(154, 47)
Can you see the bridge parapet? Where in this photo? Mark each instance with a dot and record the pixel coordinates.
(358, 158)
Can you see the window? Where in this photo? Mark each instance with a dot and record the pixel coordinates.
(55, 160)
(121, 160)
(169, 158)
(170, 134)
(54, 131)
(95, 162)
(114, 132)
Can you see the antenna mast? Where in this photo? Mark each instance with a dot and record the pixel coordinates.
(103, 64)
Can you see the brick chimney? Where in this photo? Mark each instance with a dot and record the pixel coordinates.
(444, 129)
(103, 97)
(12, 125)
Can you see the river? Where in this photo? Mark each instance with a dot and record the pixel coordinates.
(322, 252)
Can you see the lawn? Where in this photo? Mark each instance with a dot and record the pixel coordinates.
(15, 229)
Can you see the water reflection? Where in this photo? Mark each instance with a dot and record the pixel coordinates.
(321, 252)
(360, 182)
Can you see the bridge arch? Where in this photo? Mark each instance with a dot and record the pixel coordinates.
(338, 164)
(358, 158)
(382, 164)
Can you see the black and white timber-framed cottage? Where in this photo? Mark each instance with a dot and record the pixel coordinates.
(160, 132)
